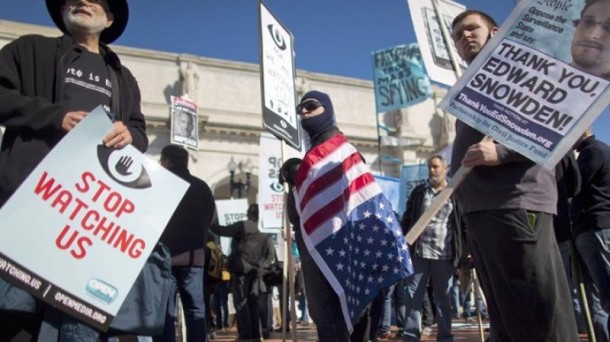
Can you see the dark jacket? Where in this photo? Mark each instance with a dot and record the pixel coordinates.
(591, 207)
(568, 185)
(32, 70)
(188, 226)
(258, 255)
(252, 252)
(415, 209)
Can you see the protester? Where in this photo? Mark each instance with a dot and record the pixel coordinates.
(591, 227)
(185, 236)
(507, 203)
(212, 278)
(252, 252)
(567, 176)
(221, 305)
(325, 307)
(435, 253)
(46, 91)
(591, 41)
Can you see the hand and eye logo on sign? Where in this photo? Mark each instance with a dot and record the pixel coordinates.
(124, 166)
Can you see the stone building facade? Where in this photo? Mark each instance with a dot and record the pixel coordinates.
(229, 104)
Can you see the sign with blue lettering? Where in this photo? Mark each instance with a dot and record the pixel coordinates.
(79, 229)
(410, 177)
(526, 91)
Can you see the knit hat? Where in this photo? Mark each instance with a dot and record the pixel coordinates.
(319, 123)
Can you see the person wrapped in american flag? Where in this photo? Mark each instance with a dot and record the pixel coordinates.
(349, 237)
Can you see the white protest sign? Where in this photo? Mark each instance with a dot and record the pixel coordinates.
(270, 190)
(229, 212)
(430, 38)
(522, 91)
(277, 79)
(79, 229)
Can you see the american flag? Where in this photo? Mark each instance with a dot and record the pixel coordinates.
(349, 226)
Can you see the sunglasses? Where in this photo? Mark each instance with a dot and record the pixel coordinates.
(309, 105)
(588, 23)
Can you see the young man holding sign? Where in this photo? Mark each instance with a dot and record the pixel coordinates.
(508, 202)
(47, 86)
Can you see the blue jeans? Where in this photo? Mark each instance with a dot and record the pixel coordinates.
(378, 311)
(221, 305)
(303, 307)
(594, 248)
(456, 296)
(399, 298)
(189, 283)
(440, 272)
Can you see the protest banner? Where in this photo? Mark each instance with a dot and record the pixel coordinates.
(229, 212)
(277, 79)
(184, 122)
(390, 186)
(271, 191)
(521, 91)
(79, 229)
(410, 177)
(436, 56)
(399, 78)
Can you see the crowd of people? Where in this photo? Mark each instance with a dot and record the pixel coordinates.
(507, 220)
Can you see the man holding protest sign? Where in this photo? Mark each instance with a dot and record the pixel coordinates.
(591, 41)
(47, 86)
(508, 202)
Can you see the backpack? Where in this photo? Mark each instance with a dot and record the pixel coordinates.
(217, 261)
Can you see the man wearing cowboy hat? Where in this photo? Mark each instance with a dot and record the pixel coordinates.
(47, 86)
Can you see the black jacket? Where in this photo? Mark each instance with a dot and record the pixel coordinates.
(568, 185)
(591, 207)
(253, 249)
(415, 209)
(32, 71)
(188, 226)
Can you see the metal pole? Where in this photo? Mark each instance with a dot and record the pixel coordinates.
(378, 144)
(582, 293)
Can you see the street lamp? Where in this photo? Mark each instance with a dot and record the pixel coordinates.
(239, 185)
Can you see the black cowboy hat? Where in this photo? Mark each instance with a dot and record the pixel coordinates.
(119, 9)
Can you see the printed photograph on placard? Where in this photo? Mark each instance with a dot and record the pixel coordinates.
(184, 123)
